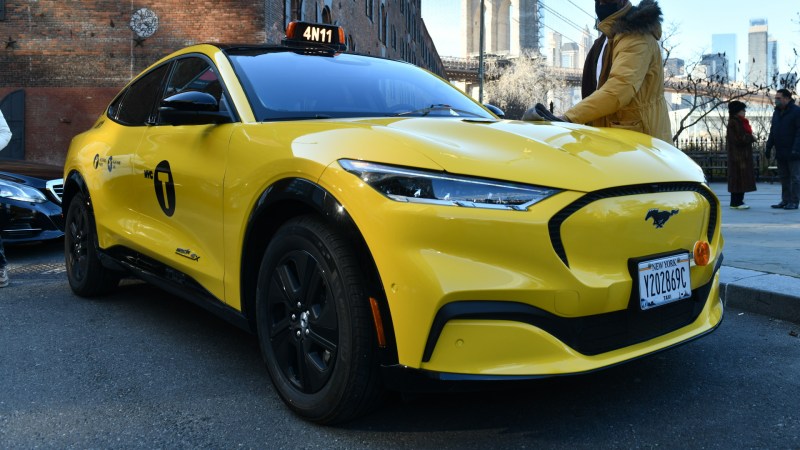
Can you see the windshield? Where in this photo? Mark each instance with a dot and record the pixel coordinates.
(289, 86)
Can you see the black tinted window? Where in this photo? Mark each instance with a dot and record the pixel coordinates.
(138, 102)
(113, 109)
(194, 74)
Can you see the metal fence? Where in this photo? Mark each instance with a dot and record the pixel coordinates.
(714, 145)
(711, 155)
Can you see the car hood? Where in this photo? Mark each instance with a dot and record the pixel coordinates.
(29, 173)
(33, 182)
(560, 155)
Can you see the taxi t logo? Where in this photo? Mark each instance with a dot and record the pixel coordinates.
(165, 188)
(660, 217)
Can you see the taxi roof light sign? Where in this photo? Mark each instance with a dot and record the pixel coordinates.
(315, 35)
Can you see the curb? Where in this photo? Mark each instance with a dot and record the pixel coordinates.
(773, 295)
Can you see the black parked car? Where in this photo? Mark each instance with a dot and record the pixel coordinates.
(30, 201)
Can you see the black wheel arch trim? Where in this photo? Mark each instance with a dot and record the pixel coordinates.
(577, 332)
(73, 184)
(291, 197)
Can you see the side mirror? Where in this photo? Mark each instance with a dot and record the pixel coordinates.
(495, 110)
(192, 108)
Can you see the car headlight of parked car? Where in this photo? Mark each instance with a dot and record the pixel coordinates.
(420, 186)
(15, 191)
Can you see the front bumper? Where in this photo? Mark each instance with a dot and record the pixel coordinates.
(30, 222)
(522, 341)
(588, 335)
(403, 378)
(477, 293)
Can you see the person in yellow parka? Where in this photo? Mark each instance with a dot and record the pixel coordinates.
(623, 77)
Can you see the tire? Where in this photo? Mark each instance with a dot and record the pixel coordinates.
(86, 275)
(314, 324)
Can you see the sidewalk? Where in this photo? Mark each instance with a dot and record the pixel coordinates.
(761, 267)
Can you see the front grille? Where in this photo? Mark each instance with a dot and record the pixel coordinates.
(554, 226)
(56, 189)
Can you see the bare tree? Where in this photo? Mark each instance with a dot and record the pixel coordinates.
(516, 84)
(667, 41)
(789, 79)
(705, 93)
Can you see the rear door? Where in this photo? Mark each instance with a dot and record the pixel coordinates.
(111, 176)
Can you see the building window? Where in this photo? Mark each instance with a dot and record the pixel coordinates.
(326, 15)
(370, 8)
(2, 9)
(383, 32)
(295, 10)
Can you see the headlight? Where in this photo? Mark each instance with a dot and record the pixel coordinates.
(439, 188)
(16, 191)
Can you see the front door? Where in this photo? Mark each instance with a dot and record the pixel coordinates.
(181, 171)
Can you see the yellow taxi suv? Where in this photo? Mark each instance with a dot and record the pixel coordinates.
(379, 230)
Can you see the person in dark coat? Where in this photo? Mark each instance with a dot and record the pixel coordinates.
(741, 174)
(784, 136)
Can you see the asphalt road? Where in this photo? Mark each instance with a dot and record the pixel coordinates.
(143, 369)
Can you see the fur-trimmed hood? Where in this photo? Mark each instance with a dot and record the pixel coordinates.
(645, 18)
(629, 93)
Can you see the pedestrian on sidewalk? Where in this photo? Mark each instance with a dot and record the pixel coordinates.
(741, 174)
(5, 137)
(784, 136)
(623, 77)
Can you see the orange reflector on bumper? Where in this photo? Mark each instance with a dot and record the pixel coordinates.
(376, 317)
(701, 253)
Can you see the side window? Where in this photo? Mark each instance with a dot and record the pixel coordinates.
(196, 74)
(113, 109)
(138, 102)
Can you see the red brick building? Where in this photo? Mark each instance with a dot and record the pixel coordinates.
(62, 61)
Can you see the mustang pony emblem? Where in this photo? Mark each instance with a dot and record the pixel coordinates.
(660, 217)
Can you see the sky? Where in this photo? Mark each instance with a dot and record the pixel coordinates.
(694, 22)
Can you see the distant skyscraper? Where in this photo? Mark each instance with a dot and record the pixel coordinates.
(510, 28)
(715, 67)
(726, 44)
(787, 81)
(757, 52)
(674, 67)
(772, 62)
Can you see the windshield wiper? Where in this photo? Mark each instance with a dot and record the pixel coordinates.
(286, 118)
(436, 107)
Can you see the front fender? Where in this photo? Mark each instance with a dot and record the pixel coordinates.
(290, 198)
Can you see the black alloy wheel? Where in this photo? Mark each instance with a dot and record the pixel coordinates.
(314, 323)
(303, 325)
(86, 275)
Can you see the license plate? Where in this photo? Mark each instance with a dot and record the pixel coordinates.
(664, 280)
